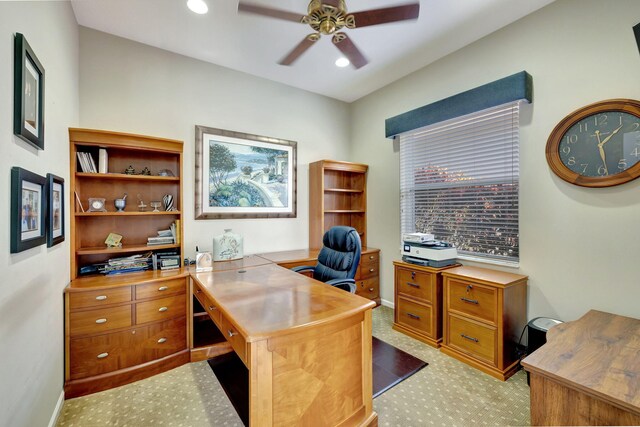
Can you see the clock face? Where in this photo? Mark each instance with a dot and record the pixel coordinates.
(597, 145)
(602, 144)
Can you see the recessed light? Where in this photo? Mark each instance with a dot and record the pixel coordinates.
(342, 62)
(197, 6)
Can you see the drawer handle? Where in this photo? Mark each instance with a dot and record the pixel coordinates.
(231, 333)
(101, 297)
(413, 285)
(162, 340)
(163, 309)
(413, 275)
(371, 270)
(102, 355)
(371, 257)
(101, 321)
(370, 289)
(198, 291)
(467, 337)
(163, 288)
(470, 301)
(413, 316)
(212, 307)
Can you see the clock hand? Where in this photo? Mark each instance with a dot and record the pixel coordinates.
(600, 144)
(602, 153)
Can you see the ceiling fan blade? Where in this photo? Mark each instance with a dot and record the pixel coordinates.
(386, 15)
(350, 50)
(270, 12)
(299, 49)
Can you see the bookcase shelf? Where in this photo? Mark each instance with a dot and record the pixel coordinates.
(125, 213)
(125, 177)
(125, 249)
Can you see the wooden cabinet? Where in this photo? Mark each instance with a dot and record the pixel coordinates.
(484, 313)
(337, 196)
(418, 302)
(126, 327)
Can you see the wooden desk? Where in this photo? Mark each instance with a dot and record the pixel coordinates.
(307, 345)
(588, 373)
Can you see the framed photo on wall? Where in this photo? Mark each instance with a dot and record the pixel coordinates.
(55, 210)
(28, 210)
(28, 94)
(240, 175)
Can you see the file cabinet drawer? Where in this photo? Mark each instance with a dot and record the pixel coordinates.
(473, 338)
(368, 270)
(415, 284)
(99, 298)
(414, 315)
(160, 309)
(368, 288)
(99, 320)
(370, 257)
(160, 289)
(473, 299)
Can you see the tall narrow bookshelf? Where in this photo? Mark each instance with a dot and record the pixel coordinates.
(337, 196)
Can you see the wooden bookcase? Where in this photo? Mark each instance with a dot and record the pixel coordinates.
(124, 327)
(337, 196)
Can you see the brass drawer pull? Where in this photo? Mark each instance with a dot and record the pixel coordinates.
(162, 340)
(371, 270)
(467, 337)
(163, 288)
(101, 321)
(163, 309)
(413, 316)
(198, 291)
(370, 289)
(102, 355)
(470, 301)
(212, 307)
(413, 285)
(231, 333)
(101, 297)
(371, 257)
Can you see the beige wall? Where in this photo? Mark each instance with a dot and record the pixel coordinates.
(579, 246)
(130, 87)
(31, 282)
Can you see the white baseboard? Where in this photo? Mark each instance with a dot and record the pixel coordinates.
(57, 410)
(387, 303)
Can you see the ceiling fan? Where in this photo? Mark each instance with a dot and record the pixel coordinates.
(328, 17)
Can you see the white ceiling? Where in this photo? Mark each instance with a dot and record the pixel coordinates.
(254, 44)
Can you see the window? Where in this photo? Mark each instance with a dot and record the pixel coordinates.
(459, 181)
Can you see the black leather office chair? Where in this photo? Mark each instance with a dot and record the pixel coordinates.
(338, 259)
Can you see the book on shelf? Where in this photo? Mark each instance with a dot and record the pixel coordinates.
(87, 164)
(103, 161)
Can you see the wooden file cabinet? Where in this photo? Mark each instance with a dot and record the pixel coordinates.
(122, 329)
(418, 302)
(484, 312)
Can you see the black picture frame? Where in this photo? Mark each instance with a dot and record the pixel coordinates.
(28, 209)
(636, 31)
(55, 210)
(28, 102)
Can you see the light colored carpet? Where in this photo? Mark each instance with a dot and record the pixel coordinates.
(445, 393)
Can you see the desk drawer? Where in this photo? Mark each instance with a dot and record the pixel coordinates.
(473, 338)
(234, 337)
(370, 257)
(473, 300)
(99, 298)
(369, 288)
(368, 270)
(207, 304)
(161, 289)
(413, 283)
(414, 315)
(99, 320)
(160, 309)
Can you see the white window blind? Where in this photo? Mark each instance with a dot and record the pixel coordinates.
(459, 181)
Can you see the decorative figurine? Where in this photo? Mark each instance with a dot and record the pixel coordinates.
(155, 206)
(145, 171)
(121, 203)
(141, 206)
(165, 172)
(130, 170)
(167, 199)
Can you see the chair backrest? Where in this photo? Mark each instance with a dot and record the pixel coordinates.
(340, 254)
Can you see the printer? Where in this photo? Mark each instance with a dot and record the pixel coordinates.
(418, 249)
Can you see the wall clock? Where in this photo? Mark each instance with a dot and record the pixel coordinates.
(597, 145)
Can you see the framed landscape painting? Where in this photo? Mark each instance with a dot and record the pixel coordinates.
(240, 175)
(28, 204)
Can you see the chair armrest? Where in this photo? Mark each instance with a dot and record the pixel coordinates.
(346, 284)
(304, 268)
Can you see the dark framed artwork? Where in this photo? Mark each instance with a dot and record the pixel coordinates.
(636, 31)
(28, 94)
(55, 210)
(239, 175)
(28, 210)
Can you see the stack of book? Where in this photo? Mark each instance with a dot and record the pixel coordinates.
(128, 264)
(166, 260)
(87, 164)
(166, 237)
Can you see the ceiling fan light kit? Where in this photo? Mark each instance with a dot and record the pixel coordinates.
(198, 6)
(329, 17)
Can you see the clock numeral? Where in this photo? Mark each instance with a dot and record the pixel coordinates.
(566, 149)
(584, 127)
(601, 120)
(572, 139)
(572, 161)
(636, 152)
(584, 167)
(622, 164)
(602, 170)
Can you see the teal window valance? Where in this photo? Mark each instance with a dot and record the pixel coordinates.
(516, 87)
